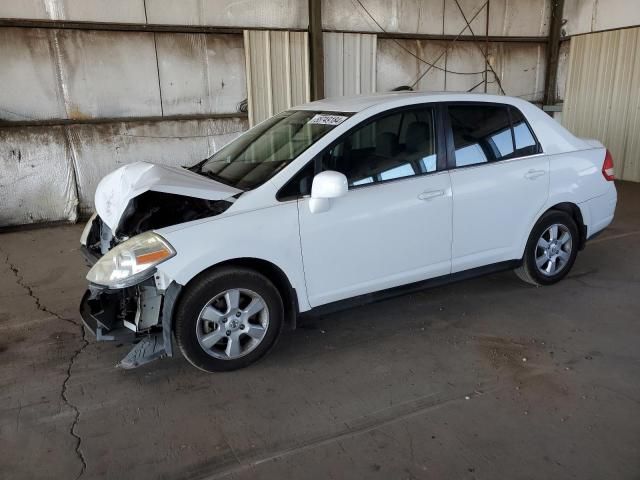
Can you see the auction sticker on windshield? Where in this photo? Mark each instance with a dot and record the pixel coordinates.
(324, 119)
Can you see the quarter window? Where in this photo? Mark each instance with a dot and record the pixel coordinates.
(525, 142)
(399, 145)
(489, 133)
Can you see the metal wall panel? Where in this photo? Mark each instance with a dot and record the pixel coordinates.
(75, 74)
(201, 74)
(563, 69)
(601, 98)
(520, 67)
(37, 181)
(396, 67)
(584, 16)
(51, 173)
(100, 149)
(407, 16)
(230, 13)
(30, 88)
(349, 63)
(277, 71)
(520, 18)
(119, 11)
(107, 74)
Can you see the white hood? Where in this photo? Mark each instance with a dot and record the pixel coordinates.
(116, 189)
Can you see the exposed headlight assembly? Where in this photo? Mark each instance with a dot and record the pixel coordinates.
(131, 262)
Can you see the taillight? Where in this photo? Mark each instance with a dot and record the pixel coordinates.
(607, 168)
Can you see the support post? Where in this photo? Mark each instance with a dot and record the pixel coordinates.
(553, 51)
(316, 49)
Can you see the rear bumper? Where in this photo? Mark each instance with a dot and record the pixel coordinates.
(601, 211)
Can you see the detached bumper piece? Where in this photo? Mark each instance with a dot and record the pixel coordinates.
(136, 315)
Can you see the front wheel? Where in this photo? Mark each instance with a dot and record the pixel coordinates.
(551, 249)
(228, 318)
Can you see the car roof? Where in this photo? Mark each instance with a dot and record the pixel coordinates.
(358, 103)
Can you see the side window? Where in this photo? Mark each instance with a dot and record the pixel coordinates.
(397, 145)
(525, 142)
(480, 133)
(488, 133)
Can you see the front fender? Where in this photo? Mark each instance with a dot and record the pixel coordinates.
(269, 234)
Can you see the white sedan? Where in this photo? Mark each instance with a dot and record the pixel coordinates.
(334, 201)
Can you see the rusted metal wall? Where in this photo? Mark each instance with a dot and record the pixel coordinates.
(602, 95)
(49, 173)
(62, 76)
(99, 149)
(37, 180)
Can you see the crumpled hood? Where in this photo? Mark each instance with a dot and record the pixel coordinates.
(117, 188)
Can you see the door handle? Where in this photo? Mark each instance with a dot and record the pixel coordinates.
(533, 174)
(431, 195)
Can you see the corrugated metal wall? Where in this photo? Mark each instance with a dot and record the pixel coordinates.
(350, 63)
(277, 71)
(602, 98)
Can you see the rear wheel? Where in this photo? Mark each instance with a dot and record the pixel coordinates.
(227, 319)
(551, 249)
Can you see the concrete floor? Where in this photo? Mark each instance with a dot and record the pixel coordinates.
(488, 378)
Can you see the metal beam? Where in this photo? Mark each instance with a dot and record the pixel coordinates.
(98, 121)
(447, 37)
(165, 28)
(553, 52)
(316, 49)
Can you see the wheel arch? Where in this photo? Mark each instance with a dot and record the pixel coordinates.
(270, 270)
(572, 209)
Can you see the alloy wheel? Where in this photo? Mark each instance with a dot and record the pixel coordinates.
(553, 249)
(232, 324)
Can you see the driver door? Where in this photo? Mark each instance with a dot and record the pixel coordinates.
(393, 226)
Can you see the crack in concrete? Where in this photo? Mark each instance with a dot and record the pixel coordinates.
(76, 418)
(20, 281)
(63, 393)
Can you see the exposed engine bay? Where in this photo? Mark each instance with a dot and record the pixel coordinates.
(148, 211)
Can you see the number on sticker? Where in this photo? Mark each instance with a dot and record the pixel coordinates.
(324, 119)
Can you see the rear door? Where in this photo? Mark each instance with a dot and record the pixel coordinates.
(499, 179)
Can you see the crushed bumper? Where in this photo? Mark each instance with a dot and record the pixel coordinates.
(106, 313)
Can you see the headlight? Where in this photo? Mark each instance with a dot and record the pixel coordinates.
(87, 229)
(131, 261)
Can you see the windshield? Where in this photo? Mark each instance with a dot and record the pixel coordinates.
(260, 153)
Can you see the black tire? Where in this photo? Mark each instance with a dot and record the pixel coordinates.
(529, 271)
(199, 293)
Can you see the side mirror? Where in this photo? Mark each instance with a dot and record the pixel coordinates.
(327, 185)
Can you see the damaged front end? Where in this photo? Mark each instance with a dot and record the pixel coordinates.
(128, 300)
(140, 314)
